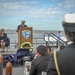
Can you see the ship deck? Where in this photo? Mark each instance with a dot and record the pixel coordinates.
(16, 70)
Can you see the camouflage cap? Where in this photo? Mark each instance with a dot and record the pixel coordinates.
(23, 21)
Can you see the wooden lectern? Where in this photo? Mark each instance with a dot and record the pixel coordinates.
(24, 35)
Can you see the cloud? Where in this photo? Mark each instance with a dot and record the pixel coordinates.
(16, 8)
(36, 12)
(20, 8)
(67, 4)
(16, 5)
(32, 9)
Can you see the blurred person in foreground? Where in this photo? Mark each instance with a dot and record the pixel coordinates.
(40, 63)
(63, 62)
(22, 25)
(3, 40)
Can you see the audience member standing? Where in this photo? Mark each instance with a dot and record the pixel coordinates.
(63, 62)
(59, 34)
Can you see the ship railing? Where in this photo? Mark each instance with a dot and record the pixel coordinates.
(36, 43)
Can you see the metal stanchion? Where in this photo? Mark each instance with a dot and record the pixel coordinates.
(1, 64)
(8, 68)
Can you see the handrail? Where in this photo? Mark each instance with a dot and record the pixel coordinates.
(57, 38)
(15, 43)
(47, 35)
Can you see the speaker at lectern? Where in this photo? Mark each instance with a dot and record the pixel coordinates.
(25, 37)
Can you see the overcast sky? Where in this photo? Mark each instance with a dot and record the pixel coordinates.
(39, 14)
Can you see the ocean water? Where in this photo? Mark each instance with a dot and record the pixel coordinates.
(38, 37)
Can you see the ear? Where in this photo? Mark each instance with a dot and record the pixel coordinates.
(67, 35)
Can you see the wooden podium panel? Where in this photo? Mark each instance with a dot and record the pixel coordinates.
(25, 35)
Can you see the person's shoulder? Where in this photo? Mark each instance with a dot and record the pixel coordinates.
(25, 25)
(37, 58)
(34, 60)
(62, 52)
(19, 25)
(5, 33)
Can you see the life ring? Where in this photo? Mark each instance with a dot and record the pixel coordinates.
(24, 43)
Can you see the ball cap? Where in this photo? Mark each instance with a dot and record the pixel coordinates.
(23, 21)
(41, 49)
(69, 22)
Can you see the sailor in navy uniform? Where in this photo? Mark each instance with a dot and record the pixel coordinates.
(22, 25)
(63, 62)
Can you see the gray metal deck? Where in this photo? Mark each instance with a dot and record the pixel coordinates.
(15, 70)
(19, 70)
